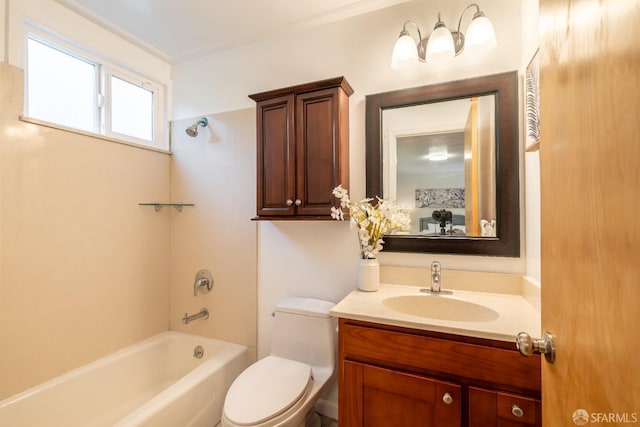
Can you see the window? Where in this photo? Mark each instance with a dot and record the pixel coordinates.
(72, 88)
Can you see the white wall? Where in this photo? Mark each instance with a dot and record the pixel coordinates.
(67, 23)
(3, 30)
(532, 159)
(319, 259)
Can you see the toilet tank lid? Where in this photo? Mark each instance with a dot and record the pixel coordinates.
(305, 306)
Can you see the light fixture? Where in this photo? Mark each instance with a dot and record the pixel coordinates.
(436, 156)
(442, 45)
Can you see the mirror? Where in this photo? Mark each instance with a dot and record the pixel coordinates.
(449, 152)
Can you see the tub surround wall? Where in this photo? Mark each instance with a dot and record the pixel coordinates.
(215, 171)
(84, 269)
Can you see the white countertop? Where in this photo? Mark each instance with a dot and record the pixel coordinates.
(515, 313)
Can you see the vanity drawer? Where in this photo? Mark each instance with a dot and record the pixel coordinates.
(488, 407)
(413, 352)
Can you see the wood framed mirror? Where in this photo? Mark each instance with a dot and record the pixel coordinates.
(473, 125)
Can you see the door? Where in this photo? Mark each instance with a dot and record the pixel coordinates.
(276, 156)
(381, 397)
(590, 206)
(318, 150)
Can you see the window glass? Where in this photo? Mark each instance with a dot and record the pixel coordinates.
(61, 88)
(131, 109)
(78, 89)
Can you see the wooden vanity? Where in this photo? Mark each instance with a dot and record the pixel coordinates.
(405, 377)
(397, 368)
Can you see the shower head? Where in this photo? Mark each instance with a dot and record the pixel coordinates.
(192, 130)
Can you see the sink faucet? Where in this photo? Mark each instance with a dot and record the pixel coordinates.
(436, 281)
(435, 276)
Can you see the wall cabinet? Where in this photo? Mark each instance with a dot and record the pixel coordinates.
(302, 149)
(404, 377)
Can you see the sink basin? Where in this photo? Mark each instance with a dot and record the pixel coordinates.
(440, 307)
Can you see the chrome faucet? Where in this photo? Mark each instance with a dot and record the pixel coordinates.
(436, 281)
(202, 314)
(435, 276)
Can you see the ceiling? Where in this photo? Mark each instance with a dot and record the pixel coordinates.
(178, 30)
(413, 151)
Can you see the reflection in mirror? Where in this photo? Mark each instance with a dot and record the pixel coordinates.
(450, 153)
(441, 156)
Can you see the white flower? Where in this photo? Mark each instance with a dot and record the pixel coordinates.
(373, 220)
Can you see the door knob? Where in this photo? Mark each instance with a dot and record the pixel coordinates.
(529, 346)
(289, 202)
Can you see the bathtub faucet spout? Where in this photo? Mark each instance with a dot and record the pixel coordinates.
(202, 314)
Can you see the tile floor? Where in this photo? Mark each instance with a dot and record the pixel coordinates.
(328, 422)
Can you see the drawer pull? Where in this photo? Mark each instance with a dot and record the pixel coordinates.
(447, 399)
(517, 411)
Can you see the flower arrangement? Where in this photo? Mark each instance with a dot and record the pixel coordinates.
(374, 219)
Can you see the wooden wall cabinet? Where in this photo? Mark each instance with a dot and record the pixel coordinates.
(303, 149)
(406, 378)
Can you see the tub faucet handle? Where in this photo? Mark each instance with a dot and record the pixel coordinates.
(203, 281)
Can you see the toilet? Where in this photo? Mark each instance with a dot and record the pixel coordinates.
(281, 389)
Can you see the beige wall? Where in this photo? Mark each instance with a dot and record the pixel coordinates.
(84, 270)
(216, 171)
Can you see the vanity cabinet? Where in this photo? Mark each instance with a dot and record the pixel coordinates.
(302, 149)
(404, 377)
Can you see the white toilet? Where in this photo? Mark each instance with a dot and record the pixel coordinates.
(282, 389)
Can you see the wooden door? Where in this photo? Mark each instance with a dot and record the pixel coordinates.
(321, 149)
(379, 397)
(276, 156)
(590, 201)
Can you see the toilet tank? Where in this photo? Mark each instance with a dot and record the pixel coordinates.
(304, 331)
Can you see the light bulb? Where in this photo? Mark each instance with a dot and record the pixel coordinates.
(440, 45)
(480, 37)
(405, 53)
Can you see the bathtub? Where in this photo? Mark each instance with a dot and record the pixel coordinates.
(157, 382)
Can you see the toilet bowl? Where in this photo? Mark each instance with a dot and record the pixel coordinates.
(281, 389)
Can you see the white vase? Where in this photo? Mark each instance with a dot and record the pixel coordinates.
(369, 275)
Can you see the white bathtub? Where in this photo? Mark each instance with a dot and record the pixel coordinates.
(157, 382)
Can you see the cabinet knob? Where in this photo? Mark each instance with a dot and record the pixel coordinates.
(517, 411)
(298, 202)
(447, 398)
(289, 202)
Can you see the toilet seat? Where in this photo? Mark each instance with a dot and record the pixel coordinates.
(267, 389)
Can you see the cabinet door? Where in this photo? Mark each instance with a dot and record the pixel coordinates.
(377, 397)
(276, 156)
(321, 149)
(489, 408)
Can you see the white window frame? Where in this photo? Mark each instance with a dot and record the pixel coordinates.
(105, 69)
